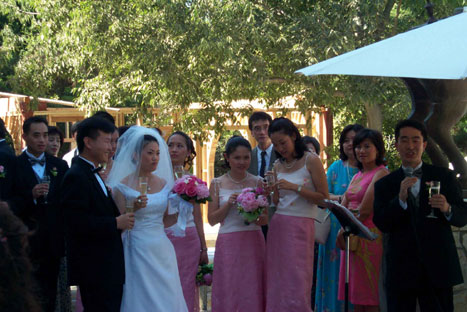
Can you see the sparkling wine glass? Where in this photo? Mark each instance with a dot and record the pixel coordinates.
(143, 185)
(270, 181)
(434, 189)
(178, 171)
(46, 180)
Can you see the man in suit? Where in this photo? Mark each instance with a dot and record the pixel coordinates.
(4, 146)
(263, 155)
(37, 205)
(421, 256)
(94, 224)
(73, 152)
(7, 174)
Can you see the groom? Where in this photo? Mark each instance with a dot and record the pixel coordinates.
(93, 222)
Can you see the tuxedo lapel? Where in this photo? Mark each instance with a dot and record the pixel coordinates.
(28, 173)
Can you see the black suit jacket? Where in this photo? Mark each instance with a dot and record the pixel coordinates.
(7, 173)
(418, 246)
(45, 221)
(4, 147)
(94, 244)
(253, 169)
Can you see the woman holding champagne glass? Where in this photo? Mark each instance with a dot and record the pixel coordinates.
(190, 249)
(141, 179)
(238, 277)
(300, 186)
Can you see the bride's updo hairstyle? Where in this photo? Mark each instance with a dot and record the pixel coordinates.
(287, 127)
(232, 145)
(146, 140)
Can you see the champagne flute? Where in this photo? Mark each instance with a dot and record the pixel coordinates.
(178, 171)
(46, 180)
(434, 189)
(143, 185)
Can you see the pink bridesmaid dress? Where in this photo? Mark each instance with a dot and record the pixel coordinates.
(290, 244)
(365, 262)
(187, 249)
(238, 277)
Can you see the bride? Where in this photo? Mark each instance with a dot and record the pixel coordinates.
(152, 281)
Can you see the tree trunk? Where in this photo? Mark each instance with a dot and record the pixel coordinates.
(374, 115)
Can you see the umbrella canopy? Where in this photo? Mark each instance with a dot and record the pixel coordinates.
(433, 51)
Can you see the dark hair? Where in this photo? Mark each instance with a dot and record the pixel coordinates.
(232, 144)
(105, 115)
(16, 284)
(258, 116)
(287, 127)
(159, 131)
(90, 127)
(74, 128)
(3, 130)
(34, 119)
(146, 140)
(355, 128)
(122, 130)
(409, 123)
(190, 146)
(54, 130)
(311, 140)
(376, 138)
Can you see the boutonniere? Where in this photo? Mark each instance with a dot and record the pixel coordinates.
(54, 171)
(2, 171)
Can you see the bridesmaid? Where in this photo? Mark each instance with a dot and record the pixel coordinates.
(191, 249)
(238, 280)
(339, 175)
(301, 185)
(365, 261)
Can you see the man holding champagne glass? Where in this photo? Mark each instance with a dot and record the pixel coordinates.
(416, 206)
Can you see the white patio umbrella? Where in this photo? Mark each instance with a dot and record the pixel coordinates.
(433, 51)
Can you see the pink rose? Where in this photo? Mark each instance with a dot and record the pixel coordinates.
(2, 169)
(262, 201)
(179, 187)
(208, 279)
(190, 190)
(259, 190)
(202, 191)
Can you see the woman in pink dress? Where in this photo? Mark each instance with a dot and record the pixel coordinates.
(301, 185)
(190, 249)
(365, 261)
(238, 278)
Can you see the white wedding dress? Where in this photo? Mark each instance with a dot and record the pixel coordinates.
(152, 282)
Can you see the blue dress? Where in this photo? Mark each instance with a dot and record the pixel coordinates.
(327, 281)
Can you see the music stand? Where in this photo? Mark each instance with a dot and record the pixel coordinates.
(351, 225)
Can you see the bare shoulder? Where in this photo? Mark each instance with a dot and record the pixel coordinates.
(380, 173)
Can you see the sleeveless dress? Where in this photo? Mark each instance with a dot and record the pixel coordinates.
(187, 249)
(338, 176)
(290, 244)
(365, 262)
(152, 282)
(238, 276)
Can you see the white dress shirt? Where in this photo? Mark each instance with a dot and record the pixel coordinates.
(98, 177)
(37, 168)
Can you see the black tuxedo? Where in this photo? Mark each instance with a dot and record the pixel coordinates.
(44, 220)
(421, 251)
(7, 174)
(94, 245)
(5, 147)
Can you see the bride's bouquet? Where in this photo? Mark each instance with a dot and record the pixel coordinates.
(204, 275)
(251, 202)
(189, 187)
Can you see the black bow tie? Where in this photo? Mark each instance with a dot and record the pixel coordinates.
(96, 170)
(35, 161)
(409, 172)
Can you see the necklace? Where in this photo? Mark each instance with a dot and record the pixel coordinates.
(290, 164)
(235, 181)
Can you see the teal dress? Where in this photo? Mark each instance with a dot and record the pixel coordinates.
(327, 280)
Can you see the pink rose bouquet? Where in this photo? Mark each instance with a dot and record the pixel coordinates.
(189, 187)
(204, 275)
(251, 203)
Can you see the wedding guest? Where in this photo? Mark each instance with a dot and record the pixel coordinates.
(7, 175)
(107, 166)
(93, 222)
(422, 260)
(16, 283)
(63, 301)
(4, 146)
(262, 156)
(339, 175)
(73, 152)
(365, 255)
(190, 249)
(301, 185)
(312, 144)
(55, 141)
(39, 177)
(238, 277)
(105, 115)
